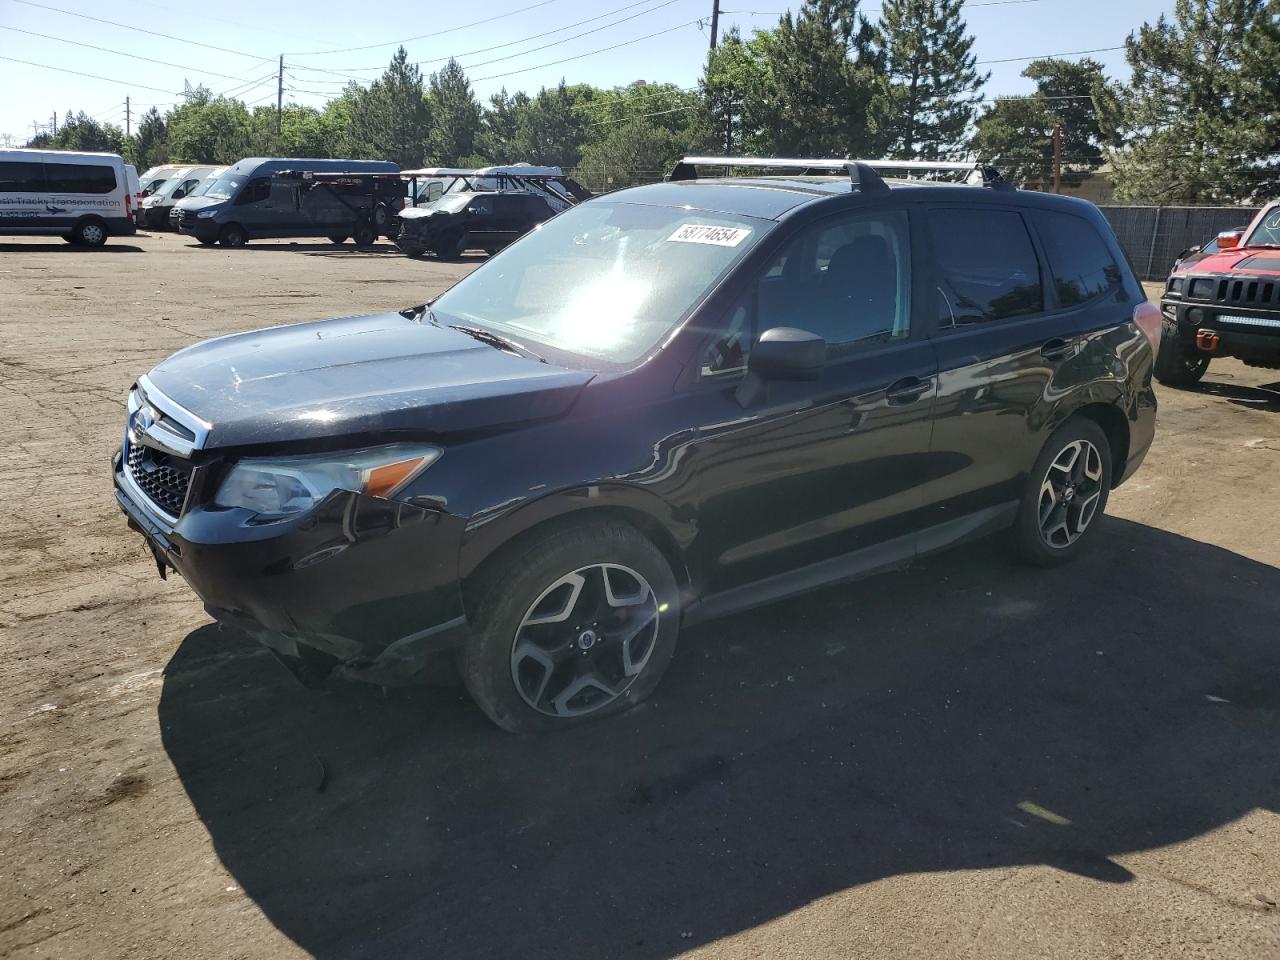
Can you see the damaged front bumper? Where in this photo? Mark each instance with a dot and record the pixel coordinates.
(371, 584)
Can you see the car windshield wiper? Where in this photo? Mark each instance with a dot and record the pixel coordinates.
(496, 340)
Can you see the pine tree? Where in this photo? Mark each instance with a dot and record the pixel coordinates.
(390, 120)
(819, 65)
(455, 116)
(929, 91)
(150, 146)
(1201, 116)
(1017, 133)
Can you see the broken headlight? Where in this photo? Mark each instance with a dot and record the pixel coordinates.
(275, 487)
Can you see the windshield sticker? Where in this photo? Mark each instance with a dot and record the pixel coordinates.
(705, 233)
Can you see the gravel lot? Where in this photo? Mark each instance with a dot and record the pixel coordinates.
(968, 759)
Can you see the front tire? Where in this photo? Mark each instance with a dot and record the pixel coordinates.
(1065, 496)
(365, 236)
(451, 246)
(1179, 363)
(233, 235)
(338, 239)
(572, 624)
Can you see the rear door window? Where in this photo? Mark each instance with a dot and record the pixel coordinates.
(987, 266)
(1079, 259)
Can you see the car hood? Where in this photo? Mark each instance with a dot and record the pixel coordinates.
(358, 375)
(420, 213)
(1249, 260)
(198, 203)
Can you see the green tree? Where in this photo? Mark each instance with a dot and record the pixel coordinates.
(498, 125)
(549, 129)
(633, 151)
(1017, 133)
(150, 145)
(929, 88)
(208, 129)
(391, 119)
(81, 132)
(738, 96)
(822, 79)
(455, 116)
(1200, 117)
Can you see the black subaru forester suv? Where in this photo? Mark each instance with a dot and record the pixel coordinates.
(666, 404)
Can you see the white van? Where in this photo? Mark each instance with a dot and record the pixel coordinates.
(82, 197)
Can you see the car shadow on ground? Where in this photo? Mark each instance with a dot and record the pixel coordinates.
(1265, 396)
(967, 713)
(108, 247)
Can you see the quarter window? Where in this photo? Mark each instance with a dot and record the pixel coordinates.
(845, 279)
(986, 264)
(79, 178)
(1079, 259)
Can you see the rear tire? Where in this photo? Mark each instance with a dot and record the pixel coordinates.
(233, 235)
(574, 608)
(365, 236)
(1065, 496)
(414, 252)
(1179, 363)
(338, 240)
(206, 243)
(89, 233)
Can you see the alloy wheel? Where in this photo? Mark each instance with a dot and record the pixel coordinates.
(1069, 493)
(585, 640)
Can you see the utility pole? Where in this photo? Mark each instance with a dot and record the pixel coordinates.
(715, 22)
(279, 93)
(55, 123)
(128, 119)
(1057, 158)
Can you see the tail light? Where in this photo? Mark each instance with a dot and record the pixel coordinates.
(1146, 316)
(128, 204)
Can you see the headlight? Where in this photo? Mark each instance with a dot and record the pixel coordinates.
(206, 214)
(1202, 288)
(280, 487)
(1175, 285)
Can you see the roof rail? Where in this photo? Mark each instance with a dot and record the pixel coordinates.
(863, 174)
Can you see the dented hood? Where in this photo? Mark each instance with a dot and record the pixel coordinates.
(373, 374)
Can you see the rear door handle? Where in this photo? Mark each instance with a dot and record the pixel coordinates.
(1055, 349)
(907, 390)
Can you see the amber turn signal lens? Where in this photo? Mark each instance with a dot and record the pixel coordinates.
(385, 480)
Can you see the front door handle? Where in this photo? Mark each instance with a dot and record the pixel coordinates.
(1055, 349)
(907, 390)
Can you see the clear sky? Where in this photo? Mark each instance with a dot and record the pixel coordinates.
(237, 42)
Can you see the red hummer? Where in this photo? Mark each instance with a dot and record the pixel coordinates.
(1226, 305)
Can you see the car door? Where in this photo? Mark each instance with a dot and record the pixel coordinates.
(807, 473)
(255, 209)
(482, 221)
(999, 339)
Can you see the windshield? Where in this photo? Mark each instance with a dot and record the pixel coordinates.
(1267, 232)
(224, 188)
(153, 186)
(605, 279)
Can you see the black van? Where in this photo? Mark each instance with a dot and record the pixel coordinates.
(260, 198)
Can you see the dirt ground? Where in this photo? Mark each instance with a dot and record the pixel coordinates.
(968, 759)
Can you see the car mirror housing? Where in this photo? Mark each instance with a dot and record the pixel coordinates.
(787, 353)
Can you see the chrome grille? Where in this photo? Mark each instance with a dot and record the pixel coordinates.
(162, 478)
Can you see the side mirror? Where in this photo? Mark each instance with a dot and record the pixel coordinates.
(1229, 239)
(785, 353)
(474, 211)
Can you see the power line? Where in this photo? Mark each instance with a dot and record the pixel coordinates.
(589, 53)
(498, 46)
(554, 43)
(119, 53)
(125, 26)
(424, 36)
(1052, 56)
(91, 76)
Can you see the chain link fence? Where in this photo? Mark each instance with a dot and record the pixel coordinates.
(1153, 237)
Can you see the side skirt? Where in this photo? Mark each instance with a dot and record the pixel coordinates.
(893, 554)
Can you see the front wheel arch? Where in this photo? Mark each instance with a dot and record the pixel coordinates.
(546, 515)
